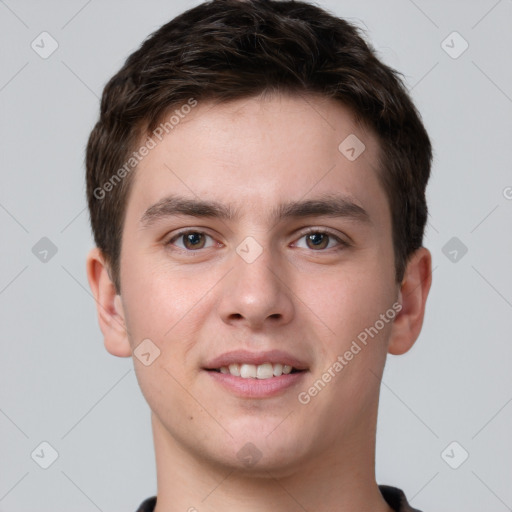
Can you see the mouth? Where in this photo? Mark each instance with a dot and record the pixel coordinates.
(252, 371)
(254, 375)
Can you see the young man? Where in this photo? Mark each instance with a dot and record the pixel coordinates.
(256, 185)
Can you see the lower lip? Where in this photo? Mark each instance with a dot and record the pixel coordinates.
(257, 388)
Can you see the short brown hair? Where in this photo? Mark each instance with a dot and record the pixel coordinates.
(224, 50)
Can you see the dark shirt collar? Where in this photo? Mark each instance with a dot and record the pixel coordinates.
(394, 497)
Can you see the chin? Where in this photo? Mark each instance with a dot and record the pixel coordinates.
(265, 450)
(258, 464)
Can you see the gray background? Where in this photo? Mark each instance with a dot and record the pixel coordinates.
(59, 385)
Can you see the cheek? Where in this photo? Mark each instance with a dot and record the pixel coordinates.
(156, 298)
(167, 307)
(161, 310)
(350, 303)
(351, 298)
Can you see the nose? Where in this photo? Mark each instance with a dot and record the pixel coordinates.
(256, 294)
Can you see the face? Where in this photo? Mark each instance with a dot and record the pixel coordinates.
(251, 238)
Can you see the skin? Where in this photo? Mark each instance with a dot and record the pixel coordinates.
(254, 154)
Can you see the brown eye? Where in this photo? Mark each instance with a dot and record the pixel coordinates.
(317, 240)
(193, 240)
(190, 240)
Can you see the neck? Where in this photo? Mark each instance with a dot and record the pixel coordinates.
(341, 479)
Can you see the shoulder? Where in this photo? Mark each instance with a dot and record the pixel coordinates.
(396, 499)
(147, 505)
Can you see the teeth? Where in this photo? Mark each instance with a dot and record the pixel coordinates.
(234, 370)
(262, 371)
(287, 368)
(278, 369)
(247, 370)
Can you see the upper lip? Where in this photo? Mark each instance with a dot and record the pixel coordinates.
(256, 358)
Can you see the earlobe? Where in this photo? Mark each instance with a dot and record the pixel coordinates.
(413, 297)
(111, 317)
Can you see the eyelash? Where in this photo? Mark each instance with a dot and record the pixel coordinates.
(342, 244)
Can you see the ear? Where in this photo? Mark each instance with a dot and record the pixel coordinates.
(111, 316)
(413, 297)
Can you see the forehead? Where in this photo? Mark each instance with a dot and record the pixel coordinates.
(256, 153)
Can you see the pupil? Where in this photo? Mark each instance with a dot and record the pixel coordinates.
(316, 238)
(193, 238)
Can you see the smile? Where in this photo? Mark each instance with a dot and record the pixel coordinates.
(262, 374)
(261, 371)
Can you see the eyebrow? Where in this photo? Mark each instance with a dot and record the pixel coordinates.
(328, 205)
